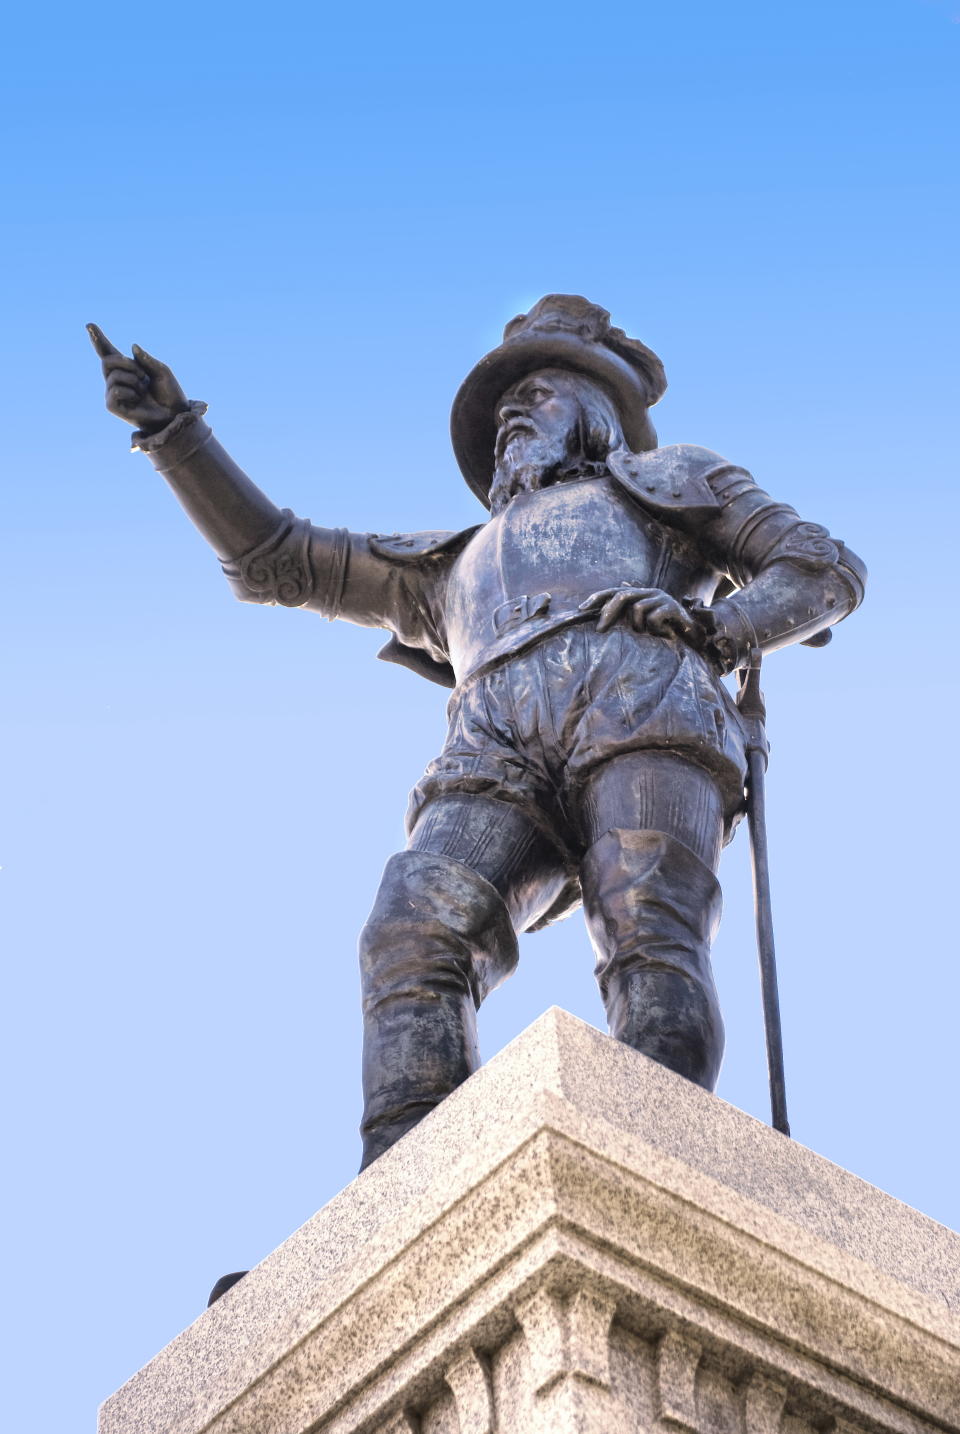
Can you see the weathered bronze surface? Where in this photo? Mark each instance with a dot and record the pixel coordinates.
(593, 754)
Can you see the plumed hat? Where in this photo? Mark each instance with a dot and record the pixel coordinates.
(561, 331)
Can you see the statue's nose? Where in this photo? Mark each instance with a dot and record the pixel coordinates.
(513, 409)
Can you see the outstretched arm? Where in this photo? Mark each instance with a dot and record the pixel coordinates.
(268, 555)
(228, 509)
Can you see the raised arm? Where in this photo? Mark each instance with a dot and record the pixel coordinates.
(228, 509)
(268, 554)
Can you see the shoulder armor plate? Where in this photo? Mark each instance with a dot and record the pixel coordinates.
(672, 480)
(412, 547)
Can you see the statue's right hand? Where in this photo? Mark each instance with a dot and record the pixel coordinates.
(141, 390)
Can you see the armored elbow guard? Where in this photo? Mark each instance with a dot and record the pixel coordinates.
(278, 570)
(794, 599)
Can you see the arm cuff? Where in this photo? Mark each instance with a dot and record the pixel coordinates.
(177, 440)
(727, 634)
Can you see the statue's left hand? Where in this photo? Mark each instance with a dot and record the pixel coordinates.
(650, 610)
(141, 390)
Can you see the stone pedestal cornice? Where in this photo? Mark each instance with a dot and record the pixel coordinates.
(579, 1240)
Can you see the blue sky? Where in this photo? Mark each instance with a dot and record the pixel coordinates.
(321, 220)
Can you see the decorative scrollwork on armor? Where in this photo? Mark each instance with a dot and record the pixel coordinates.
(279, 571)
(809, 545)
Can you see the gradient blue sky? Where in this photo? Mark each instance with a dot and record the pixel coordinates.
(321, 219)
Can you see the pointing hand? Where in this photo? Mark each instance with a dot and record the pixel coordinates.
(141, 390)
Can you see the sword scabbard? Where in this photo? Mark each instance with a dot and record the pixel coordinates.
(753, 712)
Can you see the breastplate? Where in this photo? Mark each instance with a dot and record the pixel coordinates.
(525, 573)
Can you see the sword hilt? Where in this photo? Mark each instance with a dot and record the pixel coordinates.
(751, 705)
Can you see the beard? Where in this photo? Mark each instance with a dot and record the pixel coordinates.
(528, 461)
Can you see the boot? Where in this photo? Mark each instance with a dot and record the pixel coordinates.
(438, 940)
(225, 1282)
(652, 909)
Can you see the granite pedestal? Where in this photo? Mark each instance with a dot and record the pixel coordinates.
(579, 1240)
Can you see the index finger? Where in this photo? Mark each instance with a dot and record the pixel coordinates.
(595, 599)
(100, 342)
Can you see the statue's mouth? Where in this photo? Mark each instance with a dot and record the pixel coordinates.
(515, 428)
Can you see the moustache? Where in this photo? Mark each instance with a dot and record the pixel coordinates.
(515, 428)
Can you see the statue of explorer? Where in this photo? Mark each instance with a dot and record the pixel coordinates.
(593, 753)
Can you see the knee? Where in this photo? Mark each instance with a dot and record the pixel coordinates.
(652, 907)
(436, 925)
(403, 960)
(649, 901)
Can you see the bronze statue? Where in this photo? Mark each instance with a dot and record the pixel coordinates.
(593, 753)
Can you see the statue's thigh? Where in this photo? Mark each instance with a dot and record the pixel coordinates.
(501, 842)
(653, 791)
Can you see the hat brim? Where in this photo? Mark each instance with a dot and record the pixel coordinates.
(473, 419)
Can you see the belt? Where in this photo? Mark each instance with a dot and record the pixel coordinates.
(522, 621)
(520, 609)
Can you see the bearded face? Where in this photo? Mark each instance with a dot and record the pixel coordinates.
(547, 424)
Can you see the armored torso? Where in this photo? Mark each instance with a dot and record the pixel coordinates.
(525, 572)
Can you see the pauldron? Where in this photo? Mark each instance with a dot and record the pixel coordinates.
(415, 547)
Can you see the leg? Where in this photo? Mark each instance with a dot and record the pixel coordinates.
(654, 827)
(440, 937)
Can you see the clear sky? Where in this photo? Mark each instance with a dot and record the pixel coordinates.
(321, 217)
